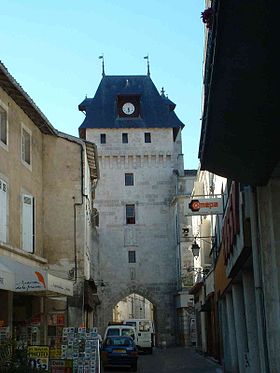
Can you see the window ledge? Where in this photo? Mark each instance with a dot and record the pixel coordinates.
(5, 247)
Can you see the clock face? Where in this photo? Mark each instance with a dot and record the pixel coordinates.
(128, 108)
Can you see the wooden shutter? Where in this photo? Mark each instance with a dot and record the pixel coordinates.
(3, 211)
(27, 223)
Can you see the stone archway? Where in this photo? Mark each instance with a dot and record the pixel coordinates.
(133, 306)
(162, 298)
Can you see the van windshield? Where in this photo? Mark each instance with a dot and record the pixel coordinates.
(113, 332)
(127, 332)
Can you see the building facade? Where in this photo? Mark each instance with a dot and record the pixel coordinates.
(138, 136)
(46, 184)
(238, 142)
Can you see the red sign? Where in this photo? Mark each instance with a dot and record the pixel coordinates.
(194, 205)
(36, 319)
(231, 225)
(205, 206)
(60, 319)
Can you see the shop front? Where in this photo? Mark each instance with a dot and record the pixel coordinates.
(29, 295)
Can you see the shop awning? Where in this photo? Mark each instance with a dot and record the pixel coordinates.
(7, 278)
(60, 285)
(35, 280)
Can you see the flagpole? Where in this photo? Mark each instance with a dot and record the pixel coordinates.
(148, 64)
(103, 65)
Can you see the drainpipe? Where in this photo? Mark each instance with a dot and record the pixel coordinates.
(260, 308)
(76, 204)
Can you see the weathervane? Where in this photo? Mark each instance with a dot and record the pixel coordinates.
(148, 64)
(103, 68)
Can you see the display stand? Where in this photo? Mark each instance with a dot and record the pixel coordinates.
(81, 345)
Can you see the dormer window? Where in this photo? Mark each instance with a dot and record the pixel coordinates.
(128, 106)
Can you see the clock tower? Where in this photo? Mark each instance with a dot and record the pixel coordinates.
(138, 137)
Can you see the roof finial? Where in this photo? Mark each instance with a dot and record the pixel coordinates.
(148, 64)
(162, 92)
(103, 68)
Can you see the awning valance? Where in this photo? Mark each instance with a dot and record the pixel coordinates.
(23, 278)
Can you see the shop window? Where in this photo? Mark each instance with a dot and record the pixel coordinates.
(56, 323)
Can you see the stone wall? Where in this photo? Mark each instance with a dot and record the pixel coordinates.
(152, 237)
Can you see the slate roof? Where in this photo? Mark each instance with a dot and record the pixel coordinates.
(157, 111)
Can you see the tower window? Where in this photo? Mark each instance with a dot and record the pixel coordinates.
(103, 138)
(130, 214)
(125, 138)
(129, 179)
(132, 256)
(147, 137)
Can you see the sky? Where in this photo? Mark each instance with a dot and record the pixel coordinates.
(52, 47)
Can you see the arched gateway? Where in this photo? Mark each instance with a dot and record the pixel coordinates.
(138, 137)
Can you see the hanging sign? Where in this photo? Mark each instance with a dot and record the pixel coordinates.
(205, 206)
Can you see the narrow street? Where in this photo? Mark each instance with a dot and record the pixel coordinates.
(173, 360)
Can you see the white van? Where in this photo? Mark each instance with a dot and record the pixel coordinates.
(120, 330)
(145, 333)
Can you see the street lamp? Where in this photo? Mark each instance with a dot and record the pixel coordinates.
(195, 247)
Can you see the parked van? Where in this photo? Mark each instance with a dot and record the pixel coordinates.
(145, 333)
(120, 330)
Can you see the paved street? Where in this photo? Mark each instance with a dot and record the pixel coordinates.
(173, 360)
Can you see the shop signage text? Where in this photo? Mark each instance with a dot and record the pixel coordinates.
(38, 357)
(205, 206)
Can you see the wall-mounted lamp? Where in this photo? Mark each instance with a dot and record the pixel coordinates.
(195, 247)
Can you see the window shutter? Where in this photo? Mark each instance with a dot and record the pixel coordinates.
(3, 211)
(27, 223)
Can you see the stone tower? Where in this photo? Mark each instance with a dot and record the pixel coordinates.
(138, 137)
